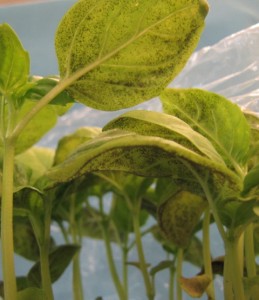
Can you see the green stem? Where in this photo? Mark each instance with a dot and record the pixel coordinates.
(207, 253)
(250, 258)
(142, 261)
(232, 270)
(171, 283)
(115, 277)
(179, 273)
(125, 268)
(44, 252)
(8, 267)
(77, 278)
(209, 197)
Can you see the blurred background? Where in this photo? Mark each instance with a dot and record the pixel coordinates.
(226, 65)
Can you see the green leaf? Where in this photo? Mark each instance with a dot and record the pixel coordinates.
(25, 243)
(140, 155)
(251, 180)
(31, 293)
(14, 62)
(121, 215)
(59, 259)
(126, 52)
(38, 126)
(221, 121)
(179, 215)
(253, 121)
(35, 161)
(41, 86)
(152, 123)
(236, 214)
(165, 264)
(69, 143)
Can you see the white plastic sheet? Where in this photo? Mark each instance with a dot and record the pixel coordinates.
(230, 68)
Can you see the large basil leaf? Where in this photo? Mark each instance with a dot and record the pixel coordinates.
(14, 62)
(142, 155)
(126, 52)
(221, 121)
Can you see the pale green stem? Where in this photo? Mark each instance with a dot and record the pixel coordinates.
(142, 261)
(179, 267)
(207, 253)
(112, 267)
(2, 118)
(171, 283)
(125, 268)
(7, 244)
(249, 251)
(234, 274)
(44, 252)
(77, 278)
(250, 258)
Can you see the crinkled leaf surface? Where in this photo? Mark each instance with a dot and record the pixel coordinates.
(127, 51)
(221, 121)
(153, 123)
(179, 215)
(14, 62)
(138, 154)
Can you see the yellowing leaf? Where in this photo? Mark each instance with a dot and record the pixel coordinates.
(179, 215)
(195, 286)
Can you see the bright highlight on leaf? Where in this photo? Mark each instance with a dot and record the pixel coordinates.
(126, 52)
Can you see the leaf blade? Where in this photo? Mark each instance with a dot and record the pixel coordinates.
(123, 41)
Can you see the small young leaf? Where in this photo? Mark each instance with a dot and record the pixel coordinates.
(59, 259)
(41, 86)
(209, 114)
(179, 215)
(165, 264)
(126, 52)
(14, 62)
(251, 180)
(195, 286)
